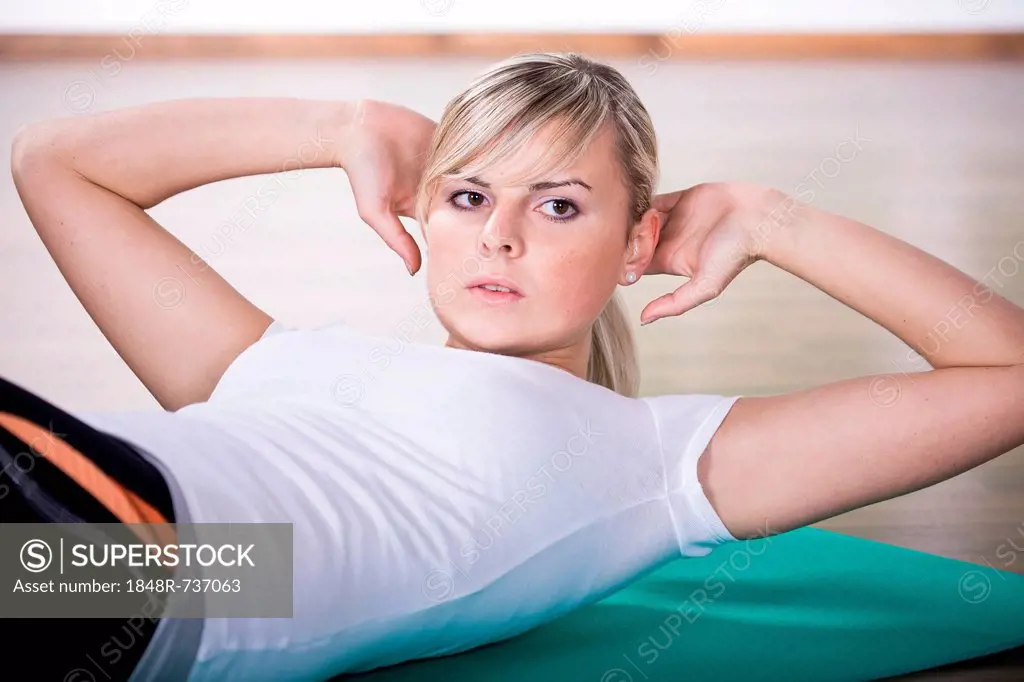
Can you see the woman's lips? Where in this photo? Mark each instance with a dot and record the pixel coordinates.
(490, 296)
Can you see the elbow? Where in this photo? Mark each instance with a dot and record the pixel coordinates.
(20, 149)
(26, 147)
(33, 145)
(34, 156)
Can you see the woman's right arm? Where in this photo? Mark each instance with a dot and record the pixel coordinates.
(86, 183)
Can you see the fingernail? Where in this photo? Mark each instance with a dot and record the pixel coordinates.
(408, 267)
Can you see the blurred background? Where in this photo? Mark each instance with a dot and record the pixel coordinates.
(904, 115)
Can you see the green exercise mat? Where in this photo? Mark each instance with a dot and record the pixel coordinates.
(807, 605)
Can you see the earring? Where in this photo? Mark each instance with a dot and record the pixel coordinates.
(630, 277)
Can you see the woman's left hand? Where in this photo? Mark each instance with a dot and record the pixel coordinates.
(710, 233)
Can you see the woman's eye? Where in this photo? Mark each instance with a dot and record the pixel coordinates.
(475, 199)
(561, 209)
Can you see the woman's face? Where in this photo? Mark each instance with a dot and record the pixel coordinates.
(560, 245)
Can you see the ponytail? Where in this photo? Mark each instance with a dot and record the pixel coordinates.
(613, 362)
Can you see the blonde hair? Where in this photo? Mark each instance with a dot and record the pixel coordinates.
(504, 107)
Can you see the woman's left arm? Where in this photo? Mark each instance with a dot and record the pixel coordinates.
(791, 460)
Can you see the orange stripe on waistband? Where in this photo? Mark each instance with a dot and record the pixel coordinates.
(122, 502)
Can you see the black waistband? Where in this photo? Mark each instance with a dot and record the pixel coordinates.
(115, 456)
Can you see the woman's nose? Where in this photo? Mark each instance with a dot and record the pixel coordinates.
(498, 237)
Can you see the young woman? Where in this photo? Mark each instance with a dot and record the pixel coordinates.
(446, 497)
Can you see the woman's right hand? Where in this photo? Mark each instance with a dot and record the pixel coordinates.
(383, 152)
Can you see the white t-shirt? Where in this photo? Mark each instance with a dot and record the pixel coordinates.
(441, 498)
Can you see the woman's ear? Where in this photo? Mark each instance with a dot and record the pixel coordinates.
(643, 240)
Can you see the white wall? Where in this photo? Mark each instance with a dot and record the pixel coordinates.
(329, 16)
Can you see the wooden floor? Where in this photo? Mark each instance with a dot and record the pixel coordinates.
(941, 165)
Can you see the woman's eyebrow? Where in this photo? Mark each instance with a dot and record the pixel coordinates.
(537, 186)
(552, 185)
